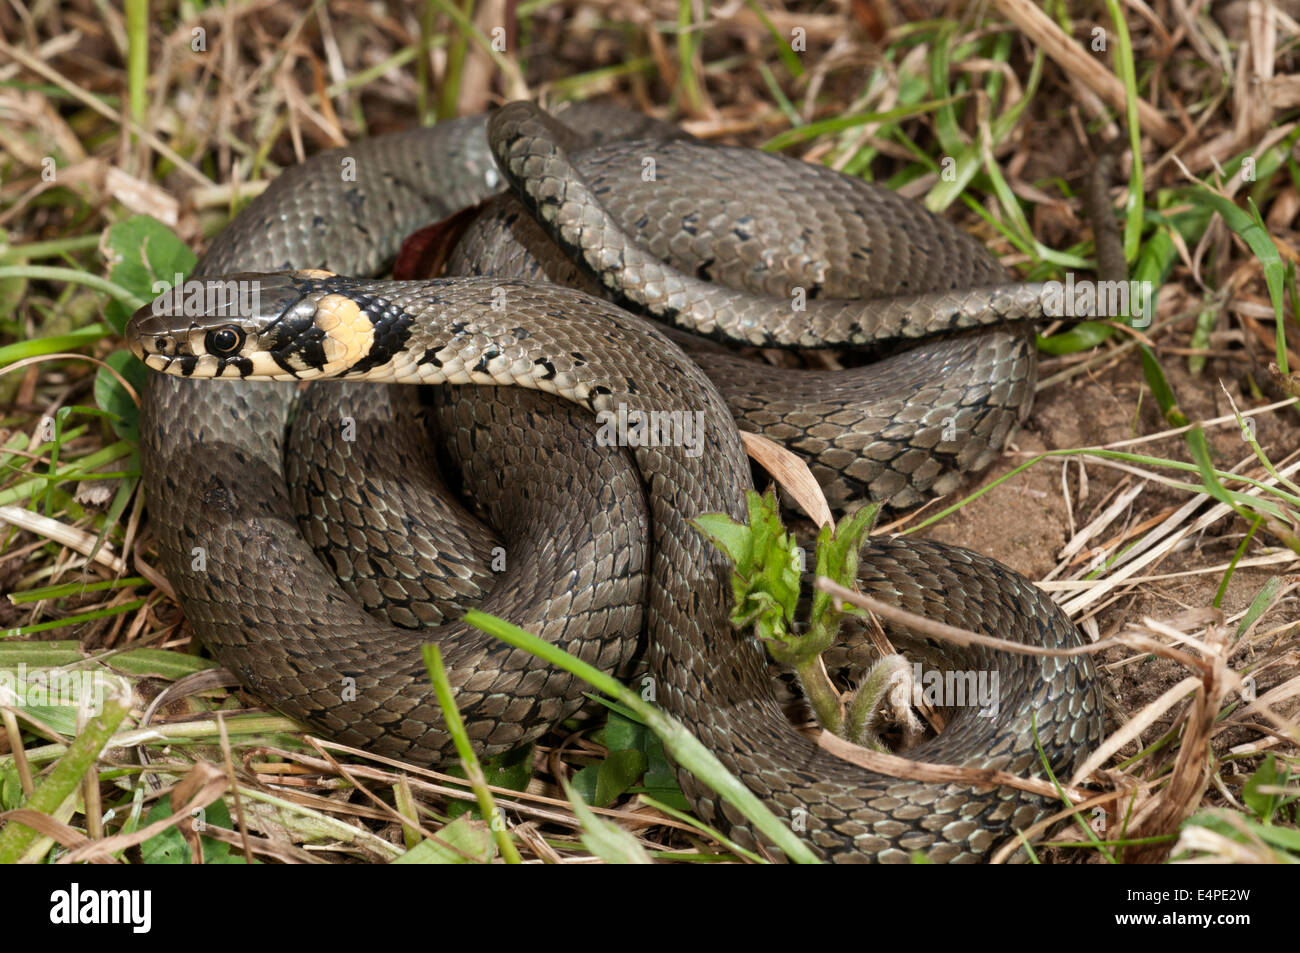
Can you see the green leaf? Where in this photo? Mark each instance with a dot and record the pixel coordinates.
(20, 350)
(624, 733)
(1250, 228)
(162, 663)
(141, 251)
(729, 536)
(1266, 775)
(765, 584)
(837, 555)
(60, 718)
(112, 397)
(774, 559)
(11, 788)
(617, 774)
(40, 654)
(1160, 389)
(169, 847)
(1263, 599)
(13, 287)
(464, 834)
(584, 782)
(1285, 837)
(1082, 337)
(513, 770)
(603, 838)
(53, 693)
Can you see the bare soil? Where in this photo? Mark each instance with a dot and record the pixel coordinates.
(1026, 521)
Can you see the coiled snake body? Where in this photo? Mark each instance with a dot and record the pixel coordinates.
(585, 550)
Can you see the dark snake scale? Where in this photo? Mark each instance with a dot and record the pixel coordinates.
(314, 560)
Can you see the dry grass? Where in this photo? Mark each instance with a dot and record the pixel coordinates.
(1129, 548)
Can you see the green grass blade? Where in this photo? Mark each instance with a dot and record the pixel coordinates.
(686, 750)
(473, 770)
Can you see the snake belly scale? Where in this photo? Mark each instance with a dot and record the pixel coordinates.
(216, 457)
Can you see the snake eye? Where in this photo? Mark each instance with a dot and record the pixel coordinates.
(160, 344)
(223, 340)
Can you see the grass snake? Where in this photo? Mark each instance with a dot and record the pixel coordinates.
(313, 560)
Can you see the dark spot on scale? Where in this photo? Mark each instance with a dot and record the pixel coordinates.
(317, 221)
(216, 497)
(430, 357)
(702, 272)
(520, 333)
(578, 359)
(550, 368)
(488, 355)
(457, 327)
(688, 223)
(642, 222)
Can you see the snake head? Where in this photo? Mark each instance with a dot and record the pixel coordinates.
(282, 326)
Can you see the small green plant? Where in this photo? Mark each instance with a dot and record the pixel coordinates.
(170, 847)
(766, 589)
(1268, 793)
(1270, 796)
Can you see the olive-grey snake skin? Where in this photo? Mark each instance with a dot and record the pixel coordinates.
(216, 458)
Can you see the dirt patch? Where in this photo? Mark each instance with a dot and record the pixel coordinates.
(1026, 521)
